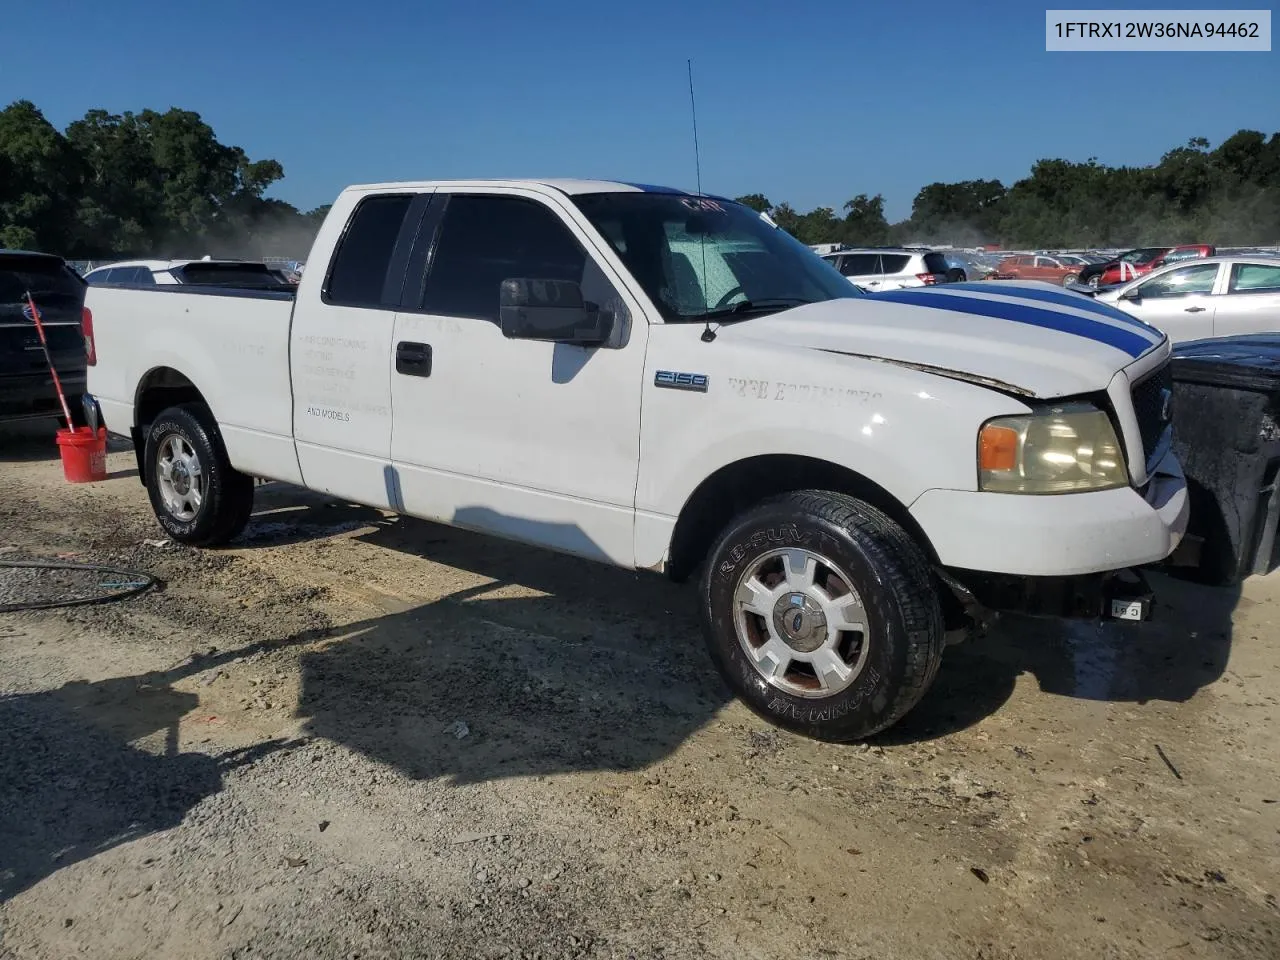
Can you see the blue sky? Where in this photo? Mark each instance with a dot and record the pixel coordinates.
(805, 102)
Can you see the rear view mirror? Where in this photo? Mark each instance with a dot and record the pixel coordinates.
(551, 310)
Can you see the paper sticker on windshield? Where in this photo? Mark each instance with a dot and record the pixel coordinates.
(702, 203)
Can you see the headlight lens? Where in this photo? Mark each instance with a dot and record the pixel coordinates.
(1061, 449)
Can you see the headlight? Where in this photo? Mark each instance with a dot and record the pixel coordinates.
(1060, 449)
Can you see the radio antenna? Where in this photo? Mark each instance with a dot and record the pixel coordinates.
(707, 333)
(693, 111)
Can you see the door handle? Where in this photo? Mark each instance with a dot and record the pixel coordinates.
(1195, 309)
(413, 359)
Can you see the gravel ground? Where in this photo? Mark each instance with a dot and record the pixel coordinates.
(355, 735)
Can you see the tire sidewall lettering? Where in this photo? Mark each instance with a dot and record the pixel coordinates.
(873, 693)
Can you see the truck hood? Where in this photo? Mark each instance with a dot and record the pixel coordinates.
(1026, 338)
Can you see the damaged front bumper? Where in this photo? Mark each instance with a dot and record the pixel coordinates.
(1113, 595)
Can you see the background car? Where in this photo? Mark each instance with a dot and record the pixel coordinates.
(1039, 267)
(1209, 297)
(891, 268)
(223, 273)
(1122, 272)
(967, 266)
(1092, 275)
(26, 386)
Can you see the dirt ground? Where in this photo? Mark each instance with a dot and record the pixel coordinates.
(353, 735)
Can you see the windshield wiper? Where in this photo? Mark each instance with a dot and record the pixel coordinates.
(752, 308)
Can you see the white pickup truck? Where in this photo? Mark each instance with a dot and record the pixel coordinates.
(667, 381)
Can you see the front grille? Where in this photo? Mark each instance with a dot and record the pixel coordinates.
(1152, 404)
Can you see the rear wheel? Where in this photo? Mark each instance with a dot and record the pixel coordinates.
(822, 614)
(197, 496)
(1071, 278)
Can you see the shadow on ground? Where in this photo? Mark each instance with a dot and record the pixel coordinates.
(28, 441)
(284, 514)
(73, 785)
(558, 665)
(564, 664)
(551, 665)
(1184, 648)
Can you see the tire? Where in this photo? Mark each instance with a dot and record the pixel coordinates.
(1095, 280)
(182, 436)
(1069, 279)
(890, 662)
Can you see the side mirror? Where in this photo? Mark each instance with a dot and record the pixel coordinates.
(1158, 264)
(551, 310)
(1133, 293)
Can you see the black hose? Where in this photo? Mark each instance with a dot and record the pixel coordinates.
(129, 583)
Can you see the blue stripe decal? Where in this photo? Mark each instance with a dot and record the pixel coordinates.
(1131, 343)
(1079, 302)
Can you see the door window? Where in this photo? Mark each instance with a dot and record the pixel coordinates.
(1180, 283)
(485, 240)
(894, 262)
(1254, 278)
(358, 275)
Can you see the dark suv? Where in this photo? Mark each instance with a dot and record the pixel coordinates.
(26, 386)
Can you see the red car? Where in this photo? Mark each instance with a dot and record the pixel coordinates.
(1125, 271)
(1038, 267)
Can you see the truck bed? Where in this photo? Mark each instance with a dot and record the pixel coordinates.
(232, 342)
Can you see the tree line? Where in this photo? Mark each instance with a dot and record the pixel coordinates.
(162, 184)
(1228, 195)
(135, 184)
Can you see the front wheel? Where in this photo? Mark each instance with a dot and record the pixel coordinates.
(822, 614)
(197, 496)
(1069, 279)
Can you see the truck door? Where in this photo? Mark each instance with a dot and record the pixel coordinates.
(340, 350)
(530, 440)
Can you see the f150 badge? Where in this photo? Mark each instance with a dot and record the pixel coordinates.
(671, 380)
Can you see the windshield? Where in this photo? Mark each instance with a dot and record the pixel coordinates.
(1144, 255)
(698, 255)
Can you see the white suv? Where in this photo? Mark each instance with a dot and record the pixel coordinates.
(890, 268)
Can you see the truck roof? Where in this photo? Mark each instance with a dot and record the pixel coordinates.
(567, 186)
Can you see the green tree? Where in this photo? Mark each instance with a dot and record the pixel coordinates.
(864, 222)
(37, 180)
(756, 201)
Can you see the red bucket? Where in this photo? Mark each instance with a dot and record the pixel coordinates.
(84, 456)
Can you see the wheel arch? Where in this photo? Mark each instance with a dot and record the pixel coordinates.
(742, 484)
(159, 389)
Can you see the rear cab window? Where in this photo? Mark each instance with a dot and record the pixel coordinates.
(359, 273)
(209, 273)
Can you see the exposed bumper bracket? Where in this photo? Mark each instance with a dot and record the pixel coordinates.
(1118, 595)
